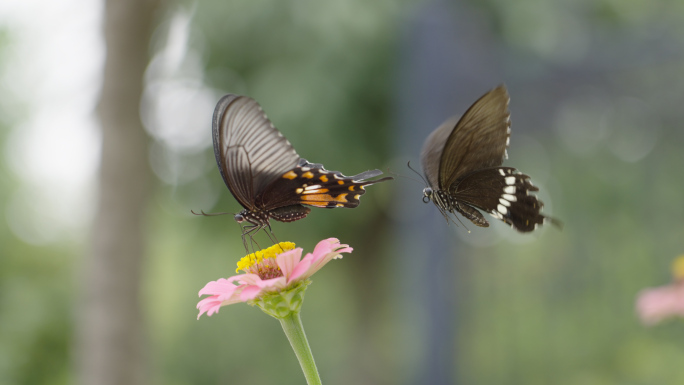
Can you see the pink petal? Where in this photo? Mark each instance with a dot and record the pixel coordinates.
(325, 246)
(250, 292)
(288, 261)
(254, 285)
(324, 251)
(211, 305)
(273, 284)
(301, 268)
(260, 286)
(249, 279)
(220, 286)
(654, 305)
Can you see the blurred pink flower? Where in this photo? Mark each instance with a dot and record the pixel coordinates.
(655, 304)
(268, 272)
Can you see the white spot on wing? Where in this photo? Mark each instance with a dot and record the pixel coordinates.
(510, 190)
(496, 214)
(502, 209)
(501, 171)
(504, 202)
(510, 180)
(509, 197)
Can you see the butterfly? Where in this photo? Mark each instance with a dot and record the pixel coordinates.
(462, 160)
(266, 175)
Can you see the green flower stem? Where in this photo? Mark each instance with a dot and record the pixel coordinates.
(292, 326)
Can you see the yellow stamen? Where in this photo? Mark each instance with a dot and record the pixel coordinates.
(678, 267)
(255, 258)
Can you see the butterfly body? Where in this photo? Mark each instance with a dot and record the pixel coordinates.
(462, 164)
(266, 175)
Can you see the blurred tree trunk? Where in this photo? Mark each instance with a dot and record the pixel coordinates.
(111, 342)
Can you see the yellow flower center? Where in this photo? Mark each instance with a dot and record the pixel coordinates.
(263, 262)
(678, 267)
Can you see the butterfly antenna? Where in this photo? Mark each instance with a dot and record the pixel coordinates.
(403, 176)
(419, 174)
(208, 214)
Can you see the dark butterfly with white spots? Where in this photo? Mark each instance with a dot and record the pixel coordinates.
(266, 175)
(461, 160)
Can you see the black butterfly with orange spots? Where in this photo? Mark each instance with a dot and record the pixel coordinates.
(266, 175)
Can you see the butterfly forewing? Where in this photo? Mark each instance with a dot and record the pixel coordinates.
(478, 140)
(431, 154)
(249, 150)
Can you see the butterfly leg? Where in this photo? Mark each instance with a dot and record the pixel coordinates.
(271, 235)
(250, 230)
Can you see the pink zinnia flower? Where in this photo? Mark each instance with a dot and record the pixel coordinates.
(274, 270)
(655, 304)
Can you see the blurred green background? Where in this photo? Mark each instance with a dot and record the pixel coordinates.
(596, 90)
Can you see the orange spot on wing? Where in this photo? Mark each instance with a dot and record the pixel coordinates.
(318, 200)
(290, 175)
(308, 175)
(351, 188)
(321, 200)
(340, 182)
(323, 178)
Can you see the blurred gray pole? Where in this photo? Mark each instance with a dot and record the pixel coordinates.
(447, 62)
(110, 338)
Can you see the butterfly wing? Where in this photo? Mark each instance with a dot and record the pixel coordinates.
(479, 139)
(311, 184)
(431, 154)
(251, 153)
(505, 194)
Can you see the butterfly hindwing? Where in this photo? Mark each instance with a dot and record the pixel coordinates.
(504, 193)
(311, 184)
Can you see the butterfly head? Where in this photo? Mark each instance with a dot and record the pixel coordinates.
(239, 218)
(427, 194)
